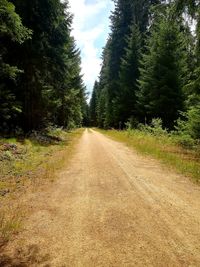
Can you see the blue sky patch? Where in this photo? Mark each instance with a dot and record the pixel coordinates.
(90, 29)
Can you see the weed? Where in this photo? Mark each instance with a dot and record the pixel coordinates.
(10, 223)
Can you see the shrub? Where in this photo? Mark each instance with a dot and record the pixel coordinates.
(155, 127)
(194, 122)
(188, 128)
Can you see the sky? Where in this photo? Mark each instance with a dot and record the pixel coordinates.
(91, 29)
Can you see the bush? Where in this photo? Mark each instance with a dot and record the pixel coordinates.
(155, 127)
(188, 128)
(194, 122)
(132, 123)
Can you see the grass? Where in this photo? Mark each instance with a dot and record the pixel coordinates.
(164, 148)
(31, 158)
(29, 163)
(10, 224)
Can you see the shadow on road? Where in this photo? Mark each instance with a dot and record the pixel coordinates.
(24, 258)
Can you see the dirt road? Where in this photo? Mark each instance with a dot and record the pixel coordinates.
(110, 207)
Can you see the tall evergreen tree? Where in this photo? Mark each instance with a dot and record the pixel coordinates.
(163, 70)
(93, 105)
(50, 89)
(11, 30)
(126, 14)
(129, 75)
(192, 8)
(39, 56)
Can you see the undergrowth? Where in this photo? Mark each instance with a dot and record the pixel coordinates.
(39, 155)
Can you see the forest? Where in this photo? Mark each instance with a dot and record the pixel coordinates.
(150, 70)
(149, 74)
(109, 177)
(40, 75)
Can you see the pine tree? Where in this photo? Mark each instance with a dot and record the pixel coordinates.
(50, 89)
(38, 58)
(102, 107)
(70, 92)
(126, 14)
(163, 70)
(11, 30)
(129, 75)
(93, 105)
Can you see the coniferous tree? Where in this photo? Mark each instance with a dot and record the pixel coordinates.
(168, 70)
(126, 14)
(102, 103)
(163, 70)
(191, 121)
(129, 75)
(121, 20)
(11, 30)
(42, 57)
(192, 8)
(93, 105)
(49, 89)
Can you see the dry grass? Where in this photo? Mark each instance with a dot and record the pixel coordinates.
(30, 165)
(163, 148)
(10, 223)
(32, 161)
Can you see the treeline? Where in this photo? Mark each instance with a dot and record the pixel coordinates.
(151, 66)
(40, 75)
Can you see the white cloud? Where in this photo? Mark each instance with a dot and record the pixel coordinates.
(90, 24)
(83, 11)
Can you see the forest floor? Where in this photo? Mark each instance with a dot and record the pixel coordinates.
(109, 207)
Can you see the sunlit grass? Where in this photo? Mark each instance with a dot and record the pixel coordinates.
(34, 156)
(34, 164)
(10, 223)
(163, 148)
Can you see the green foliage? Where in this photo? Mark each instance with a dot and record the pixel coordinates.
(93, 105)
(189, 6)
(188, 128)
(163, 71)
(194, 121)
(155, 127)
(40, 82)
(150, 66)
(129, 74)
(12, 29)
(119, 73)
(11, 24)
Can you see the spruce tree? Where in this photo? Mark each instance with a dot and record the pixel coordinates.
(11, 31)
(126, 14)
(129, 75)
(93, 105)
(104, 110)
(162, 72)
(50, 88)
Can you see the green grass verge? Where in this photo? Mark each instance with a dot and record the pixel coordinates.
(33, 158)
(163, 148)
